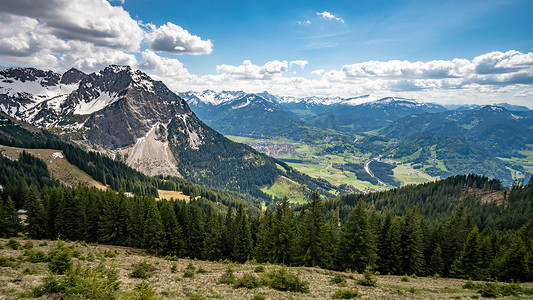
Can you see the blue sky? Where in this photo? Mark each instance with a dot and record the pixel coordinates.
(440, 51)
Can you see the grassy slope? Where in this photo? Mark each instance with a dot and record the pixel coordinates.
(59, 167)
(15, 283)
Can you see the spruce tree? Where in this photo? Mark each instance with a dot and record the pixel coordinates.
(194, 230)
(283, 232)
(265, 239)
(228, 234)
(412, 243)
(36, 216)
(10, 224)
(114, 220)
(469, 262)
(154, 236)
(213, 243)
(243, 238)
(357, 247)
(436, 263)
(386, 250)
(173, 235)
(314, 246)
(69, 218)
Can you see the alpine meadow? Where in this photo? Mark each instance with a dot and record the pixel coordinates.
(266, 149)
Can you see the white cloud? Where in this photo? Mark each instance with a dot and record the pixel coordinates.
(329, 16)
(300, 63)
(164, 66)
(174, 39)
(250, 71)
(94, 58)
(305, 22)
(318, 72)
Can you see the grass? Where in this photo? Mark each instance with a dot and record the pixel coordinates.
(407, 175)
(24, 276)
(59, 168)
(286, 187)
(163, 194)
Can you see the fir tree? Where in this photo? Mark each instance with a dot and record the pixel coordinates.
(357, 248)
(194, 230)
(154, 236)
(265, 240)
(69, 217)
(283, 233)
(173, 235)
(36, 216)
(114, 221)
(213, 243)
(9, 220)
(229, 233)
(436, 263)
(314, 246)
(412, 243)
(243, 238)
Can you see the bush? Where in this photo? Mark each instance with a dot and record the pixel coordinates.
(227, 277)
(258, 297)
(188, 274)
(190, 267)
(283, 280)
(141, 270)
(345, 294)
(489, 290)
(259, 269)
(43, 244)
(405, 278)
(196, 296)
(27, 245)
(110, 254)
(368, 278)
(50, 286)
(338, 279)
(469, 285)
(173, 268)
(35, 256)
(7, 261)
(248, 280)
(13, 244)
(201, 270)
(59, 259)
(142, 291)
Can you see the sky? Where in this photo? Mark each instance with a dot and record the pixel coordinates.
(447, 52)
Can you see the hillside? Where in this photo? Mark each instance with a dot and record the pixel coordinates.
(168, 280)
(124, 113)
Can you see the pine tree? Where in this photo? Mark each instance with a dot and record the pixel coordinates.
(173, 235)
(468, 264)
(229, 233)
(412, 243)
(68, 217)
(357, 247)
(265, 239)
(314, 246)
(154, 236)
(36, 216)
(386, 250)
(213, 243)
(243, 237)
(455, 233)
(283, 232)
(436, 263)
(114, 219)
(9, 220)
(194, 230)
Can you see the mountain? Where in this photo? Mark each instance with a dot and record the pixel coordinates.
(237, 113)
(493, 128)
(124, 113)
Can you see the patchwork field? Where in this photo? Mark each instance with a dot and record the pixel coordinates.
(194, 279)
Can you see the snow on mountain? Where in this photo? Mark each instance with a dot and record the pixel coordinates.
(210, 97)
(102, 101)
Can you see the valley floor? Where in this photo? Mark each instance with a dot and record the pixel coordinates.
(18, 280)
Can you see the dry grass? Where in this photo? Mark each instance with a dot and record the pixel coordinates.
(163, 194)
(59, 167)
(14, 283)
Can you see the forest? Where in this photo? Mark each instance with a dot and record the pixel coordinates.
(414, 230)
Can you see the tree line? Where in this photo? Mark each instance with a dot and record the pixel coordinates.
(390, 244)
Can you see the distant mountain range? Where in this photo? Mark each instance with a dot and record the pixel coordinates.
(465, 138)
(126, 114)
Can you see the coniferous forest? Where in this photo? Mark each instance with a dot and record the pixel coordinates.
(421, 230)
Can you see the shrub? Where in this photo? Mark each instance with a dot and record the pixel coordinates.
(190, 267)
(142, 291)
(59, 259)
(110, 254)
(338, 279)
(283, 280)
(173, 268)
(188, 274)
(248, 280)
(259, 269)
(345, 294)
(13, 244)
(469, 285)
(227, 277)
(50, 286)
(404, 278)
(35, 256)
(6, 261)
(27, 245)
(43, 244)
(368, 278)
(201, 270)
(196, 296)
(258, 297)
(489, 290)
(141, 270)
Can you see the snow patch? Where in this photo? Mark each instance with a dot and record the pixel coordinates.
(102, 101)
(57, 155)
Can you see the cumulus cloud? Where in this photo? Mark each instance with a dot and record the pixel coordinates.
(305, 22)
(250, 71)
(318, 72)
(94, 58)
(300, 63)
(329, 16)
(164, 66)
(174, 39)
(93, 21)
